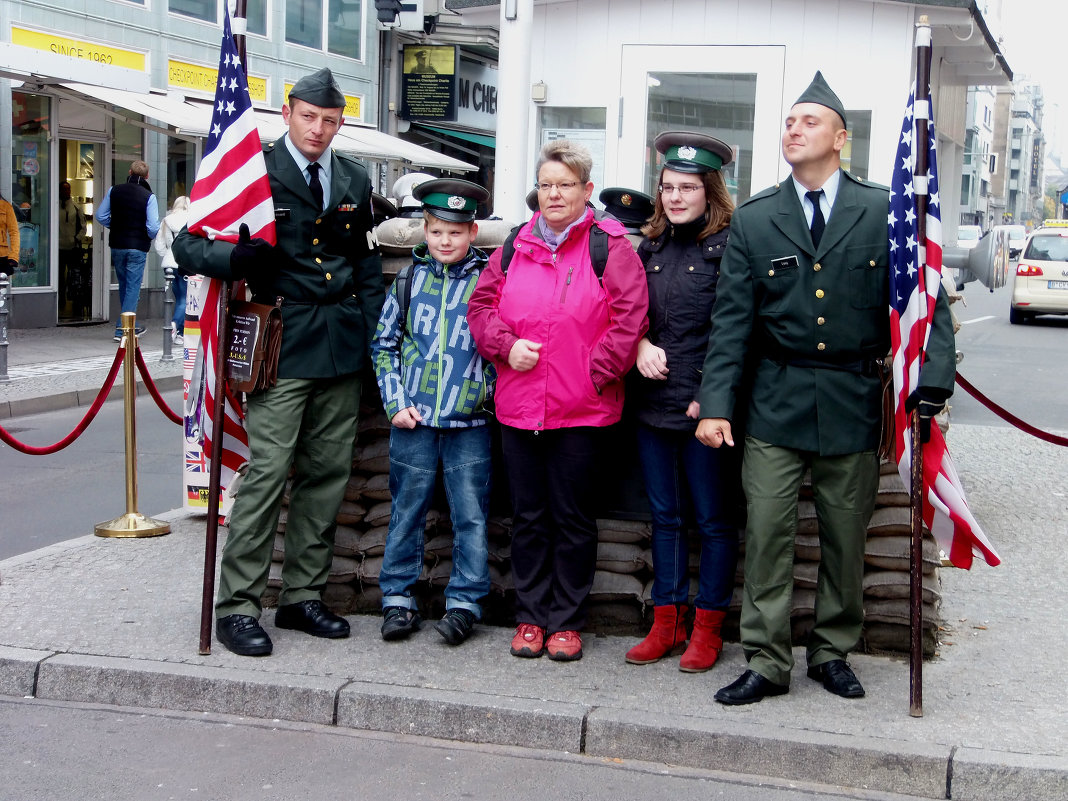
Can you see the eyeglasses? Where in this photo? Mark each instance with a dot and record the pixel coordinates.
(684, 189)
(565, 186)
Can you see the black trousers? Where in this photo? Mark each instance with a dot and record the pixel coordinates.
(554, 529)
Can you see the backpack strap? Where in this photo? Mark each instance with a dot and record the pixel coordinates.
(508, 249)
(403, 282)
(598, 251)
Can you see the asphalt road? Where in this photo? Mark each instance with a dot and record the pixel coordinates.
(58, 751)
(48, 499)
(1019, 367)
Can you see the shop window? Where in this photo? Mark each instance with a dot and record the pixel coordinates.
(256, 14)
(181, 170)
(307, 19)
(857, 150)
(31, 186)
(206, 10)
(718, 104)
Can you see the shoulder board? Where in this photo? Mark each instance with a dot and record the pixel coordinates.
(865, 184)
(764, 193)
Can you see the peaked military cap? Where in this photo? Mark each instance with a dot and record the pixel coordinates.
(819, 92)
(382, 209)
(451, 198)
(319, 89)
(686, 151)
(629, 206)
(532, 200)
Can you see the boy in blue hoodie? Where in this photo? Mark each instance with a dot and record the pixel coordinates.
(434, 385)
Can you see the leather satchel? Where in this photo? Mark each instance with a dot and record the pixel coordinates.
(255, 345)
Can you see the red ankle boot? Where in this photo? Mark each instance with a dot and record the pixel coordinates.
(705, 642)
(667, 636)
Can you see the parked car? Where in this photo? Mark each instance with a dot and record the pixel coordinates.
(968, 236)
(1040, 285)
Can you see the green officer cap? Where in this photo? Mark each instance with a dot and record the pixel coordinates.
(319, 89)
(687, 151)
(819, 92)
(451, 198)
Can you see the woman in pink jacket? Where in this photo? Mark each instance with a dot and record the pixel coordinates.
(562, 332)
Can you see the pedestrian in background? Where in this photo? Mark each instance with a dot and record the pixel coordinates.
(72, 280)
(681, 251)
(9, 238)
(130, 213)
(171, 226)
(562, 327)
(804, 294)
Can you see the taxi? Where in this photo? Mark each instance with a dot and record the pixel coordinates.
(1040, 285)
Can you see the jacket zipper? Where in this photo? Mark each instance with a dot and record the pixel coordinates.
(442, 337)
(567, 283)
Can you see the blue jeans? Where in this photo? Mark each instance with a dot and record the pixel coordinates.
(414, 455)
(130, 271)
(179, 287)
(676, 467)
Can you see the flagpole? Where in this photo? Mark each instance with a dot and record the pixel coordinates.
(218, 412)
(920, 169)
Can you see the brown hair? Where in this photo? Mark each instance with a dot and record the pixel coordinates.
(139, 168)
(429, 217)
(720, 207)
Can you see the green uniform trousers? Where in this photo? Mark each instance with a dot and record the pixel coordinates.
(844, 489)
(311, 424)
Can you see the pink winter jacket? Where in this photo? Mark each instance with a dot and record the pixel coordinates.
(589, 332)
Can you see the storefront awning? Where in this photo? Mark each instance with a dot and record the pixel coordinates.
(479, 139)
(191, 119)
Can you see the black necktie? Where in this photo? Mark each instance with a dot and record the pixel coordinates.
(317, 188)
(818, 223)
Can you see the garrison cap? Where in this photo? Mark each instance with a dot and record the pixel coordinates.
(819, 92)
(451, 199)
(686, 151)
(319, 89)
(629, 206)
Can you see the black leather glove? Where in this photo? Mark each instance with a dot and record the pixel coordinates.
(7, 266)
(255, 260)
(926, 402)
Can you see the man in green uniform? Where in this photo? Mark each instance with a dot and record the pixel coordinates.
(327, 270)
(803, 297)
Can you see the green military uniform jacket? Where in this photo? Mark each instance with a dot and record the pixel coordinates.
(784, 306)
(331, 282)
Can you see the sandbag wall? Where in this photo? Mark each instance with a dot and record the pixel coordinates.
(621, 601)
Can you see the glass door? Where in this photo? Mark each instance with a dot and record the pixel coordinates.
(729, 92)
(81, 253)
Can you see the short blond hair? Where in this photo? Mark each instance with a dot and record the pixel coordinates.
(576, 157)
(139, 168)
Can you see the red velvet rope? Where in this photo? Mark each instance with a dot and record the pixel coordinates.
(153, 390)
(78, 429)
(1008, 416)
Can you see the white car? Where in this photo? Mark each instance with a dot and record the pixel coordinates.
(1040, 285)
(1017, 239)
(968, 236)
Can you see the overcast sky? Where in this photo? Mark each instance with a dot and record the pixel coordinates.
(1035, 33)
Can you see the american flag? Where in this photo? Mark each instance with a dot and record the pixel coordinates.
(231, 188)
(913, 292)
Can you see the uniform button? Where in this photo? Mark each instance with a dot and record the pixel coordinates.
(328, 276)
(819, 292)
(691, 268)
(319, 221)
(656, 268)
(820, 321)
(871, 263)
(320, 261)
(315, 241)
(817, 266)
(821, 346)
(771, 272)
(347, 226)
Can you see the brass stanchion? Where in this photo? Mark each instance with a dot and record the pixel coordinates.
(133, 523)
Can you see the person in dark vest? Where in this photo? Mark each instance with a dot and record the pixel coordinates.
(129, 210)
(326, 271)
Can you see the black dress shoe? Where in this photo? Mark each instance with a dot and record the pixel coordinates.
(456, 626)
(750, 688)
(243, 635)
(312, 617)
(838, 678)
